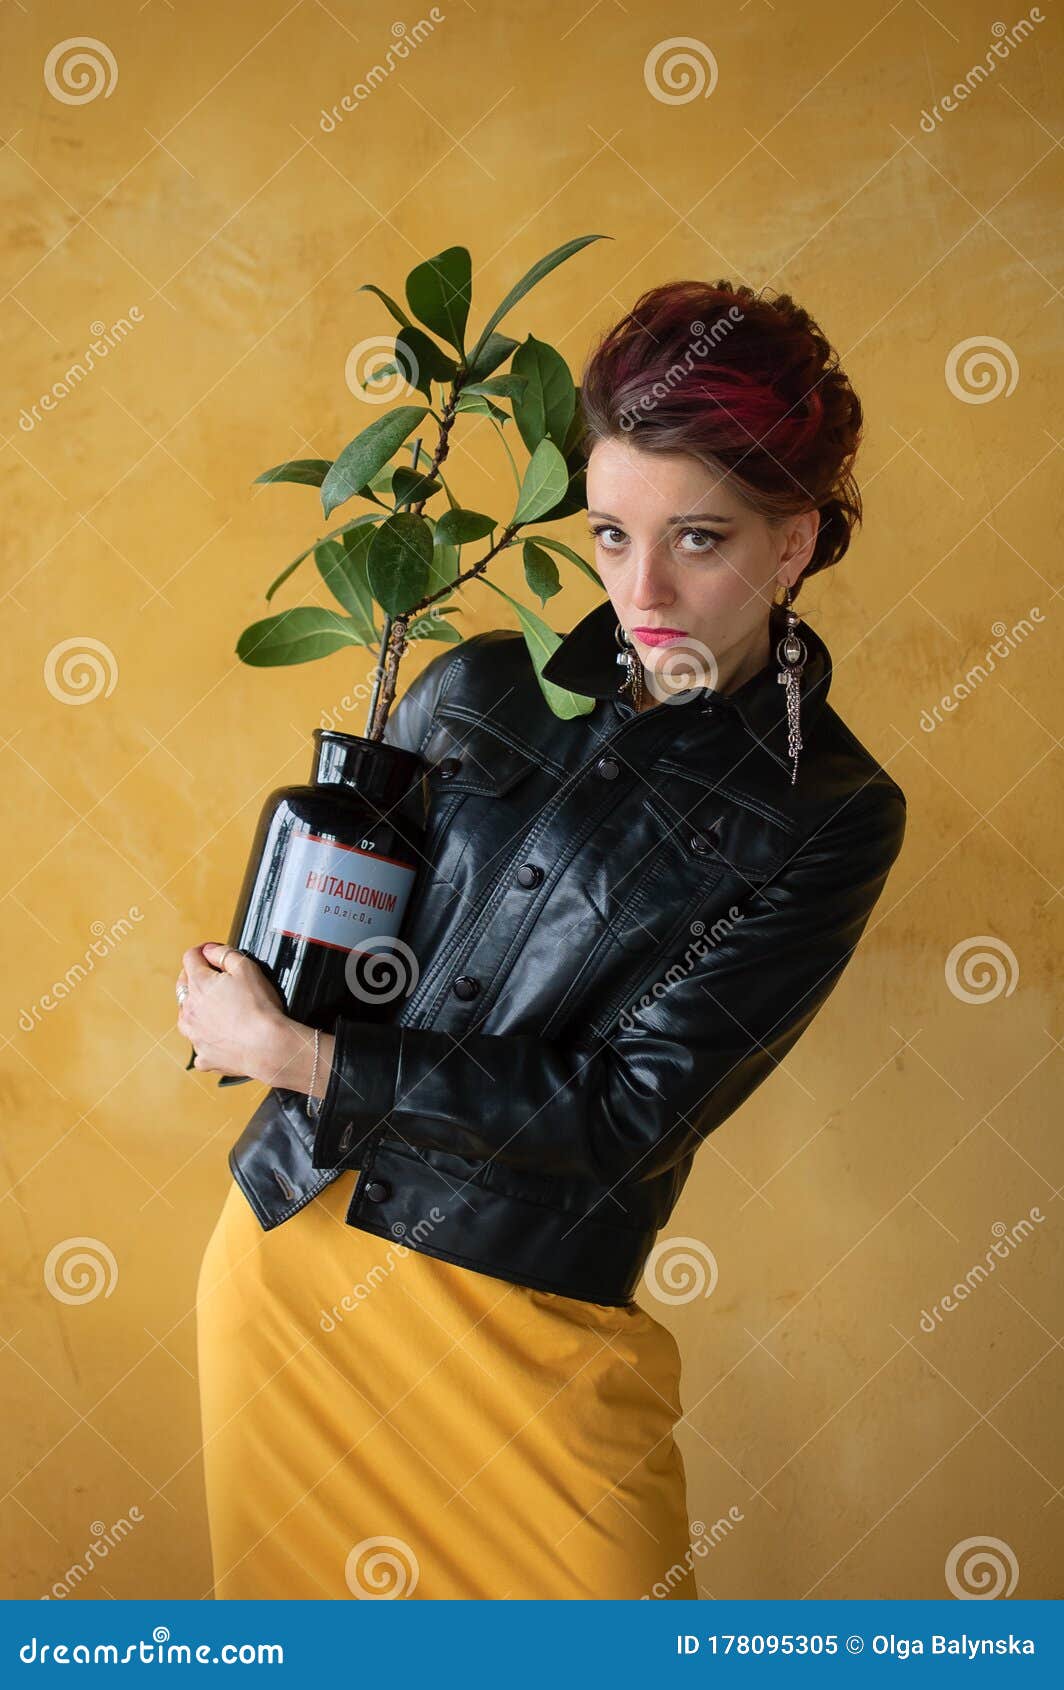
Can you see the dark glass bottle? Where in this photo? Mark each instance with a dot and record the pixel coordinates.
(329, 876)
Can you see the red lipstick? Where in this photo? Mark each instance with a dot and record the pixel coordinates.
(660, 636)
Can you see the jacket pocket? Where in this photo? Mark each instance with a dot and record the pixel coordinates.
(692, 838)
(712, 852)
(464, 760)
(748, 834)
(471, 756)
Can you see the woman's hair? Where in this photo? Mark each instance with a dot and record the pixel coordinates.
(747, 385)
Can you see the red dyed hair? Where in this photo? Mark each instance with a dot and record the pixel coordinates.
(747, 385)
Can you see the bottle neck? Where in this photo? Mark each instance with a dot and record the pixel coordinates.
(336, 760)
(369, 767)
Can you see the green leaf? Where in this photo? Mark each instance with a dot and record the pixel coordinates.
(541, 572)
(438, 292)
(411, 485)
(541, 641)
(422, 362)
(566, 551)
(457, 528)
(502, 387)
(296, 636)
(309, 472)
(572, 500)
(429, 627)
(396, 310)
(367, 453)
(541, 268)
(444, 566)
(382, 482)
(495, 351)
(382, 373)
(400, 554)
(545, 410)
(356, 522)
(477, 402)
(545, 482)
(570, 445)
(342, 566)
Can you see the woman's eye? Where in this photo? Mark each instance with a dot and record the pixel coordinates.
(706, 540)
(706, 535)
(606, 528)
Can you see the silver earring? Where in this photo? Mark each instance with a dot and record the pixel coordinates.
(791, 655)
(632, 681)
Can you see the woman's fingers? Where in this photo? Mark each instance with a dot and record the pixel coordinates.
(231, 1010)
(199, 969)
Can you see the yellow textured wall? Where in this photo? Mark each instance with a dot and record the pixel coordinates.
(834, 1445)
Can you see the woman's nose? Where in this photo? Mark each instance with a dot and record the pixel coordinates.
(651, 584)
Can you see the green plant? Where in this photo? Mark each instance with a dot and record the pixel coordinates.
(397, 555)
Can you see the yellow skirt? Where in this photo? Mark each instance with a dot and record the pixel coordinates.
(381, 1423)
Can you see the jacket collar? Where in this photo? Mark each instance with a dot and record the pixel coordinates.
(586, 662)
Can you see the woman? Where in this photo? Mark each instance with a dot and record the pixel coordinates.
(476, 1406)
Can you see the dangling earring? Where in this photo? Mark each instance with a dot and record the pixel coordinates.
(633, 677)
(791, 655)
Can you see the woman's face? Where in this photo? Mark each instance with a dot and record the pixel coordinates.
(676, 548)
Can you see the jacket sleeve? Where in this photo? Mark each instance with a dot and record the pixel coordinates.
(678, 1063)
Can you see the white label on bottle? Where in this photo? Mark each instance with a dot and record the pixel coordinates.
(339, 895)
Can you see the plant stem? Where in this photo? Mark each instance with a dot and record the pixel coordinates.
(394, 642)
(497, 426)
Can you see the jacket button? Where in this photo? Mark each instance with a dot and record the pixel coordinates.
(466, 986)
(608, 768)
(449, 766)
(701, 843)
(529, 874)
(377, 1190)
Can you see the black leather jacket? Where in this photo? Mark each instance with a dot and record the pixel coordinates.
(624, 923)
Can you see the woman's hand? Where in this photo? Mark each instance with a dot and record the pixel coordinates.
(233, 1014)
